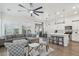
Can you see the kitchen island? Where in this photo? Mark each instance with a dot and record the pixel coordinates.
(64, 36)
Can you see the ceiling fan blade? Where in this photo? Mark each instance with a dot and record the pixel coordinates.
(23, 6)
(38, 8)
(35, 13)
(39, 11)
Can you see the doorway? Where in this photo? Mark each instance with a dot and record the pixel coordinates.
(39, 29)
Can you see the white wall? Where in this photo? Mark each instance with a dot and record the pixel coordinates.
(52, 27)
(0, 25)
(1, 21)
(75, 25)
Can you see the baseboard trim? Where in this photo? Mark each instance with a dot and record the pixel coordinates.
(75, 41)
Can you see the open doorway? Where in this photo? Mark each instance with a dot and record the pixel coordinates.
(39, 29)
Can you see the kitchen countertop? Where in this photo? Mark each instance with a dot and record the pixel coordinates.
(66, 37)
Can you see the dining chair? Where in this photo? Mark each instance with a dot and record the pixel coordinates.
(44, 42)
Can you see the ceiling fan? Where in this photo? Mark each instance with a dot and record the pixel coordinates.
(32, 11)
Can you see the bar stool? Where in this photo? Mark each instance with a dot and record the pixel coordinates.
(52, 38)
(55, 40)
(60, 41)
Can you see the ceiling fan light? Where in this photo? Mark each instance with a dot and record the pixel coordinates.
(31, 11)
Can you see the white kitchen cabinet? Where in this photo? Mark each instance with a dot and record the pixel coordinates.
(75, 34)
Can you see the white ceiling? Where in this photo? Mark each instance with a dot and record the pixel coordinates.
(50, 9)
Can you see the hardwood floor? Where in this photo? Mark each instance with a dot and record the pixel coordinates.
(3, 51)
(71, 50)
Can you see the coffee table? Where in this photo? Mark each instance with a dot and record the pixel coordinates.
(32, 46)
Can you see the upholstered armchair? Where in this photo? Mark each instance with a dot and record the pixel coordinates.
(23, 42)
(14, 49)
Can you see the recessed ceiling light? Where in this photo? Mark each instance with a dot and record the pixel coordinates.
(74, 7)
(57, 13)
(62, 16)
(47, 15)
(75, 12)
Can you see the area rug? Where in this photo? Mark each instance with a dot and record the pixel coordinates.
(41, 52)
(46, 53)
